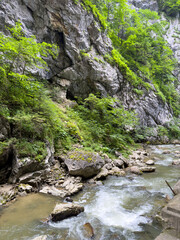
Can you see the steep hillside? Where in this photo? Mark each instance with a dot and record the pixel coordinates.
(81, 68)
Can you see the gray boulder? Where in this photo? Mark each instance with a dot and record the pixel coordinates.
(65, 210)
(84, 164)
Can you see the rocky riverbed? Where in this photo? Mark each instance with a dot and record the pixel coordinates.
(68, 174)
(120, 207)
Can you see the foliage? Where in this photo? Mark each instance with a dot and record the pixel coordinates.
(24, 100)
(103, 123)
(140, 50)
(170, 7)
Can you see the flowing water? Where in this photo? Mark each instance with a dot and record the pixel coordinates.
(122, 208)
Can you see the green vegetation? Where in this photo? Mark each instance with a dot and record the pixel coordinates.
(140, 51)
(170, 7)
(33, 117)
(104, 124)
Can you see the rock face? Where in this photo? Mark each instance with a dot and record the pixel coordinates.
(65, 210)
(84, 164)
(80, 68)
(8, 160)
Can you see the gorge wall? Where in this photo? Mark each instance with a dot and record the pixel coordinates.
(80, 68)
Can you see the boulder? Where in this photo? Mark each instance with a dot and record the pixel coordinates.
(176, 162)
(88, 230)
(102, 175)
(135, 170)
(54, 191)
(150, 162)
(166, 152)
(65, 210)
(147, 169)
(118, 163)
(84, 164)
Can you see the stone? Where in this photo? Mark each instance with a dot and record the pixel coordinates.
(84, 164)
(147, 169)
(118, 163)
(176, 162)
(102, 175)
(25, 188)
(65, 210)
(136, 170)
(42, 237)
(88, 229)
(54, 191)
(72, 186)
(115, 171)
(150, 162)
(166, 152)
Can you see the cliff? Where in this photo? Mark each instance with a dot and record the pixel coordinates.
(81, 67)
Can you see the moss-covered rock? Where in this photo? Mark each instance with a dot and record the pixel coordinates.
(84, 164)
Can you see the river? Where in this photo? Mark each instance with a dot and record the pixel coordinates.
(122, 208)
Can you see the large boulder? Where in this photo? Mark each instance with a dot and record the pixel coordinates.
(65, 210)
(84, 164)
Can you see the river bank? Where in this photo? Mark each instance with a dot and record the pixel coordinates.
(122, 206)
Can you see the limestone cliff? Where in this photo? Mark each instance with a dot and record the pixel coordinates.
(80, 68)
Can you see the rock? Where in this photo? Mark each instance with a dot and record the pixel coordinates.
(150, 162)
(176, 162)
(89, 232)
(102, 175)
(74, 29)
(115, 171)
(136, 170)
(147, 169)
(176, 187)
(8, 163)
(42, 237)
(7, 193)
(71, 186)
(54, 191)
(68, 199)
(166, 152)
(65, 210)
(84, 164)
(118, 163)
(108, 166)
(25, 188)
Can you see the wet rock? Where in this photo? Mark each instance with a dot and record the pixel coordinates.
(65, 210)
(54, 191)
(84, 164)
(42, 237)
(166, 152)
(176, 162)
(147, 169)
(135, 170)
(25, 188)
(89, 232)
(68, 199)
(150, 162)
